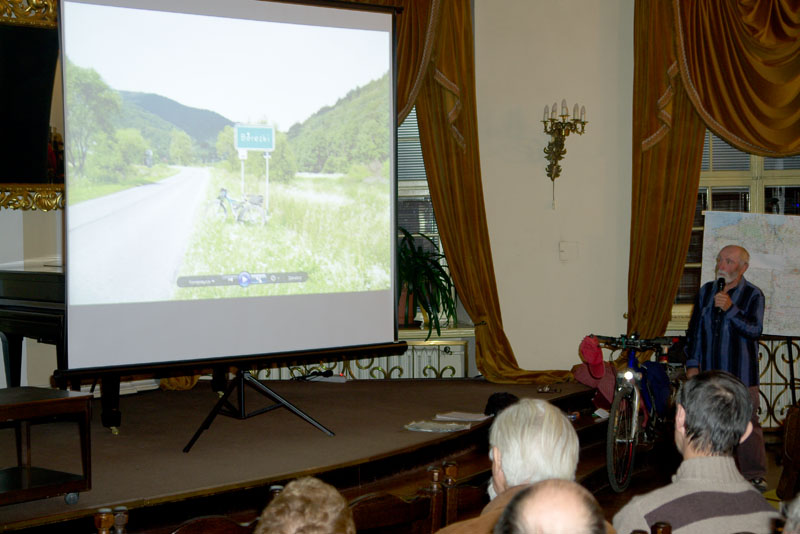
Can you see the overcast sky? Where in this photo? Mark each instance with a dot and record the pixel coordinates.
(248, 71)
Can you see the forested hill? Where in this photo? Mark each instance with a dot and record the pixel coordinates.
(351, 131)
(202, 125)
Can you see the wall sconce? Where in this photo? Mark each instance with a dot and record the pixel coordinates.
(559, 126)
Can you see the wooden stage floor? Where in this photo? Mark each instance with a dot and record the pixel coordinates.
(144, 466)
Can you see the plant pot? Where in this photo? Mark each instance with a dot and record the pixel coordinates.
(401, 310)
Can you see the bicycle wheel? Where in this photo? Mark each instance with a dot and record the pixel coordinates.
(250, 214)
(621, 440)
(215, 210)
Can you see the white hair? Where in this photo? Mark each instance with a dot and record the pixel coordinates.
(791, 510)
(536, 442)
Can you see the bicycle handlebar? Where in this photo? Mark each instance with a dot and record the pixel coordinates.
(633, 342)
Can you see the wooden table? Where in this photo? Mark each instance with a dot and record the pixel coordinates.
(21, 407)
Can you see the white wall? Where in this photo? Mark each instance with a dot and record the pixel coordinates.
(528, 55)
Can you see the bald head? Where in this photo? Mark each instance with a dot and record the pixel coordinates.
(732, 262)
(742, 255)
(552, 507)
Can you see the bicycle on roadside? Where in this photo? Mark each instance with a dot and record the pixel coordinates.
(249, 210)
(642, 395)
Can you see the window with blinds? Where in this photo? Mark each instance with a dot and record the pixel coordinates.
(732, 180)
(414, 207)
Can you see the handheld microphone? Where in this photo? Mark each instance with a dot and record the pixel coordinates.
(720, 285)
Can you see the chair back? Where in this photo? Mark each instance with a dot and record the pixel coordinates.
(789, 482)
(213, 524)
(660, 527)
(464, 497)
(386, 513)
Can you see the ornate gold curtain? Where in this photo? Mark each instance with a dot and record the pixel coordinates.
(667, 147)
(733, 66)
(740, 64)
(448, 126)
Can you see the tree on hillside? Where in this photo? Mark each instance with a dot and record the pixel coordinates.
(282, 165)
(226, 151)
(104, 163)
(112, 158)
(131, 145)
(181, 151)
(353, 131)
(90, 109)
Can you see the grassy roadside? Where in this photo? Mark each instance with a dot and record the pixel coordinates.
(332, 229)
(149, 175)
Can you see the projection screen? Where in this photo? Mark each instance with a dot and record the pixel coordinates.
(230, 179)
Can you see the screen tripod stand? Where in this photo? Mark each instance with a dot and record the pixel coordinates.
(225, 407)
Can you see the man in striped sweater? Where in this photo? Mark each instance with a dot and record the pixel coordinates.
(727, 320)
(708, 495)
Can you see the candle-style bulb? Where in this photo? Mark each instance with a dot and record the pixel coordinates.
(564, 109)
(575, 111)
(554, 111)
(583, 113)
(546, 113)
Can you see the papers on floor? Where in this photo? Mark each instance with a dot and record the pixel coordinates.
(447, 422)
(436, 426)
(461, 416)
(601, 413)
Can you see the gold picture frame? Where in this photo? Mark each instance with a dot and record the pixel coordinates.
(21, 195)
(37, 13)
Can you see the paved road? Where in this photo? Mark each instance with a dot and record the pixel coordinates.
(128, 247)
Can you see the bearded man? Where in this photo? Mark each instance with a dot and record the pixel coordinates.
(727, 320)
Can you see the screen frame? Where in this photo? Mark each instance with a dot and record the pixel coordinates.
(346, 352)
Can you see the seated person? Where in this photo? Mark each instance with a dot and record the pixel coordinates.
(529, 441)
(307, 505)
(552, 507)
(708, 494)
(791, 512)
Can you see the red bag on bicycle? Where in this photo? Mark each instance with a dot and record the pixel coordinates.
(595, 372)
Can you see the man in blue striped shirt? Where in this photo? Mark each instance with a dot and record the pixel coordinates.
(723, 333)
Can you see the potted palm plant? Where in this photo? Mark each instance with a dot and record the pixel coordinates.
(424, 283)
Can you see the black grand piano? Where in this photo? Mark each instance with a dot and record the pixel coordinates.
(32, 305)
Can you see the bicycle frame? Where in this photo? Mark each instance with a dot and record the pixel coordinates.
(625, 425)
(238, 209)
(630, 379)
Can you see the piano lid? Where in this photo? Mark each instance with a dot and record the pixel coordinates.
(31, 281)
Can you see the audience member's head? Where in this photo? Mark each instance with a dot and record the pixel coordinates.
(530, 441)
(791, 512)
(307, 505)
(713, 415)
(552, 507)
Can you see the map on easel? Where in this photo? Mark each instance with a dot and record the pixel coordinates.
(773, 242)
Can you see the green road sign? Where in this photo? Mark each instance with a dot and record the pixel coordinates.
(254, 137)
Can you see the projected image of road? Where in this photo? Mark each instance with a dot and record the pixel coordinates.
(194, 172)
(120, 242)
